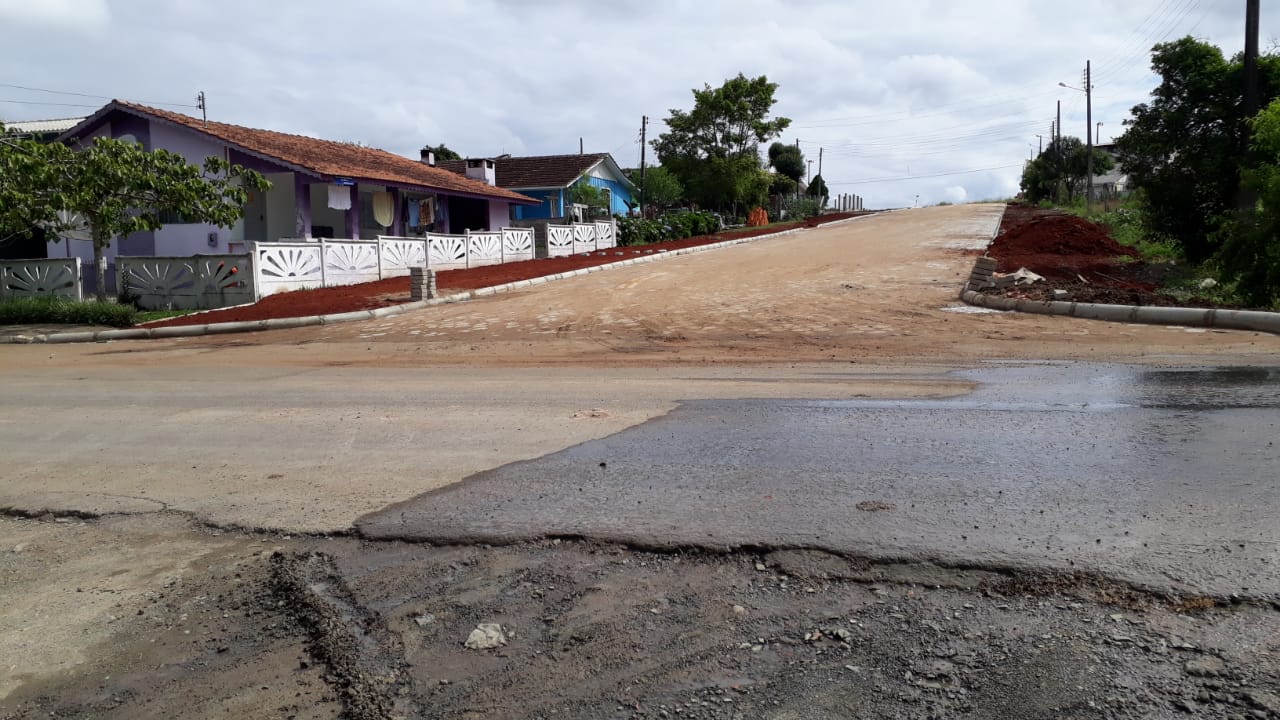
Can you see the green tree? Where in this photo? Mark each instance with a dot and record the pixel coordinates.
(1250, 239)
(818, 189)
(788, 160)
(714, 149)
(118, 188)
(1185, 147)
(659, 187)
(442, 152)
(780, 184)
(1064, 164)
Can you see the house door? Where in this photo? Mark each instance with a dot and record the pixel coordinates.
(255, 217)
(468, 214)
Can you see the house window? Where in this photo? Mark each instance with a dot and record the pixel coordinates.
(170, 217)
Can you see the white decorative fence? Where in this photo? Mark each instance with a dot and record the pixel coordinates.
(41, 278)
(559, 240)
(200, 282)
(213, 281)
(297, 264)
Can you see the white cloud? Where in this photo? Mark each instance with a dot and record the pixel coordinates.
(955, 194)
(910, 97)
(55, 14)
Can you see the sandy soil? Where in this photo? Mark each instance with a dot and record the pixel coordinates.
(156, 605)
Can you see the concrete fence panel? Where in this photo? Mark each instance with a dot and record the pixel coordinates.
(59, 277)
(517, 244)
(584, 238)
(606, 235)
(484, 248)
(347, 262)
(401, 253)
(559, 240)
(446, 252)
(288, 266)
(200, 282)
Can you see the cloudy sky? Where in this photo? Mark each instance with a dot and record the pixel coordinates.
(911, 101)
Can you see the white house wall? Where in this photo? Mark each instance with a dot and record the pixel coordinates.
(187, 238)
(499, 214)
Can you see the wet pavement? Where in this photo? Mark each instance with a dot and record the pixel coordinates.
(1166, 478)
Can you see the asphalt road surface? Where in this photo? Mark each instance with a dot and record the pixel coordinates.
(1165, 478)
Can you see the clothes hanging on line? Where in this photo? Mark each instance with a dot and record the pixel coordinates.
(412, 207)
(427, 210)
(339, 197)
(383, 209)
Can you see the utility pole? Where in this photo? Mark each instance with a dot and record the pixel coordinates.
(204, 114)
(1097, 137)
(1251, 57)
(819, 162)
(808, 176)
(1057, 154)
(1040, 149)
(1088, 132)
(1245, 198)
(644, 125)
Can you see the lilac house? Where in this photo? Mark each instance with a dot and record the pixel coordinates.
(319, 188)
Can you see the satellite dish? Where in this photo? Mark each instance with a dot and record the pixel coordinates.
(70, 225)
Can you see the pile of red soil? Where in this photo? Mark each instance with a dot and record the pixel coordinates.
(394, 291)
(1072, 254)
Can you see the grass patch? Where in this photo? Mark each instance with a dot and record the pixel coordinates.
(146, 316)
(57, 311)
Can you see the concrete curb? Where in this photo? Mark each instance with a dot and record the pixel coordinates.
(144, 333)
(1253, 320)
(984, 267)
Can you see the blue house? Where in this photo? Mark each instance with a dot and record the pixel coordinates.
(548, 178)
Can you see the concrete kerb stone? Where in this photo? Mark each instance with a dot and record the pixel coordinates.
(1250, 320)
(145, 333)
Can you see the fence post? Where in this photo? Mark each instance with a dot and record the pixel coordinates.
(324, 279)
(253, 271)
(467, 246)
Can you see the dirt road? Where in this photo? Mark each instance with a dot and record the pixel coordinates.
(184, 464)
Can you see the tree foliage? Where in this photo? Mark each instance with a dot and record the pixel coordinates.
(442, 152)
(788, 160)
(117, 188)
(714, 149)
(1250, 239)
(818, 190)
(1063, 165)
(1185, 147)
(780, 184)
(658, 188)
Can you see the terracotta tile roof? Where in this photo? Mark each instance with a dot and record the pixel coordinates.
(329, 158)
(540, 171)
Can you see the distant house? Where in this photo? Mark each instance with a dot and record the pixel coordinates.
(41, 130)
(319, 188)
(1112, 185)
(548, 178)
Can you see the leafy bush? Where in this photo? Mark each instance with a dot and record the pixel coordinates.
(56, 311)
(800, 208)
(673, 226)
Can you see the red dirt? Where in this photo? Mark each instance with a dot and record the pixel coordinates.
(395, 291)
(1075, 255)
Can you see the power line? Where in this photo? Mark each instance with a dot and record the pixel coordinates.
(80, 94)
(60, 104)
(922, 177)
(857, 120)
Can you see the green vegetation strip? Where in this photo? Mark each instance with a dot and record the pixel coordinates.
(57, 311)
